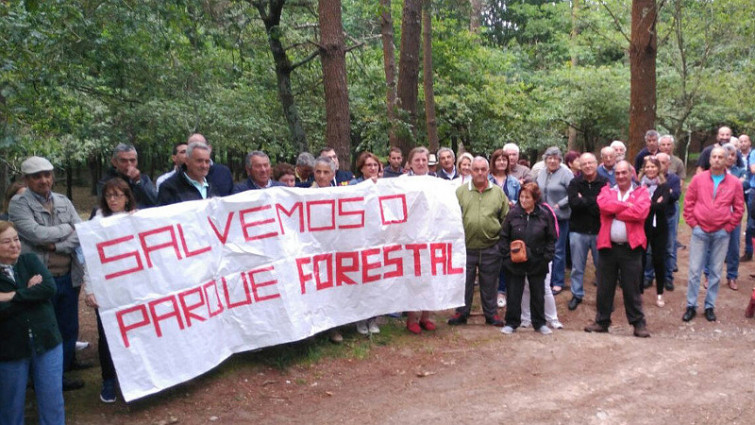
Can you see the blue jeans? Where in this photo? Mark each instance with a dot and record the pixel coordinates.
(580, 244)
(47, 371)
(732, 254)
(66, 304)
(706, 250)
(559, 259)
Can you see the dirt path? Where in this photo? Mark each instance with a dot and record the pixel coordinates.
(697, 372)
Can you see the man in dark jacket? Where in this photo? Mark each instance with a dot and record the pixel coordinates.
(219, 176)
(584, 223)
(125, 165)
(257, 165)
(190, 183)
(342, 177)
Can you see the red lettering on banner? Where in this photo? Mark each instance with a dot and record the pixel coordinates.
(332, 225)
(303, 278)
(187, 252)
(248, 296)
(367, 266)
(397, 263)
(449, 257)
(402, 198)
(187, 308)
(316, 260)
(172, 313)
(220, 309)
(280, 208)
(415, 248)
(171, 243)
(342, 268)
(224, 237)
(358, 213)
(105, 259)
(437, 257)
(124, 328)
(257, 285)
(245, 226)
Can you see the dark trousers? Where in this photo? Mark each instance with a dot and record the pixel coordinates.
(66, 305)
(485, 263)
(537, 299)
(103, 350)
(657, 244)
(621, 260)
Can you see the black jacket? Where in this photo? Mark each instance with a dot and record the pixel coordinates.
(143, 190)
(221, 179)
(538, 231)
(179, 189)
(659, 210)
(29, 312)
(585, 214)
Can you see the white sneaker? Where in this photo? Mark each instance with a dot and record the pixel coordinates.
(81, 345)
(362, 327)
(659, 302)
(555, 324)
(508, 330)
(544, 330)
(501, 300)
(525, 324)
(373, 327)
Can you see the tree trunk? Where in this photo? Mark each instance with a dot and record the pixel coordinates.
(427, 68)
(333, 58)
(408, 70)
(270, 12)
(642, 52)
(572, 143)
(389, 63)
(475, 16)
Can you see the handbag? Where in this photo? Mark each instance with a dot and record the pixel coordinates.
(518, 251)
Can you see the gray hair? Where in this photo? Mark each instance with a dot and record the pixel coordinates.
(481, 158)
(552, 151)
(250, 155)
(511, 147)
(196, 145)
(668, 136)
(729, 148)
(305, 159)
(652, 133)
(327, 161)
(123, 147)
(453, 155)
(607, 150)
(618, 143)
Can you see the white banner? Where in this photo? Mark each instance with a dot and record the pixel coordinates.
(183, 287)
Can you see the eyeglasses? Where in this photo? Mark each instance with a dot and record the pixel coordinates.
(114, 196)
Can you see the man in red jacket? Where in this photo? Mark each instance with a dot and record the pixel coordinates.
(621, 245)
(713, 207)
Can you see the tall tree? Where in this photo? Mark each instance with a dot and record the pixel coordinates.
(270, 12)
(572, 141)
(408, 69)
(643, 49)
(333, 58)
(389, 64)
(475, 15)
(427, 67)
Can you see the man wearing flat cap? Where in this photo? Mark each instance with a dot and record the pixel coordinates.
(45, 223)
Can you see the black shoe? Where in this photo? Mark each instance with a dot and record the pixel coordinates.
(80, 365)
(669, 286)
(640, 331)
(495, 321)
(458, 319)
(676, 269)
(70, 384)
(648, 283)
(710, 315)
(574, 302)
(595, 327)
(689, 314)
(746, 257)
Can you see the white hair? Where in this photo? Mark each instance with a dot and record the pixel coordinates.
(511, 147)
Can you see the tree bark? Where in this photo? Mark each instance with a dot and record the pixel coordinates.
(270, 12)
(408, 70)
(333, 59)
(642, 52)
(572, 141)
(389, 63)
(475, 16)
(427, 67)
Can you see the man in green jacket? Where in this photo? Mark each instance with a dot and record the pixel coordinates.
(483, 208)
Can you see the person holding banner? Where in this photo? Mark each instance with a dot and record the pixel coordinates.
(191, 182)
(116, 198)
(418, 166)
(31, 342)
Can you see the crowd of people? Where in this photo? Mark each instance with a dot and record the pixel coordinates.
(523, 228)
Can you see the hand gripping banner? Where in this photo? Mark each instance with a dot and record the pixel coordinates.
(182, 287)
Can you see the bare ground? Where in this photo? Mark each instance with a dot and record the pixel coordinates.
(697, 372)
